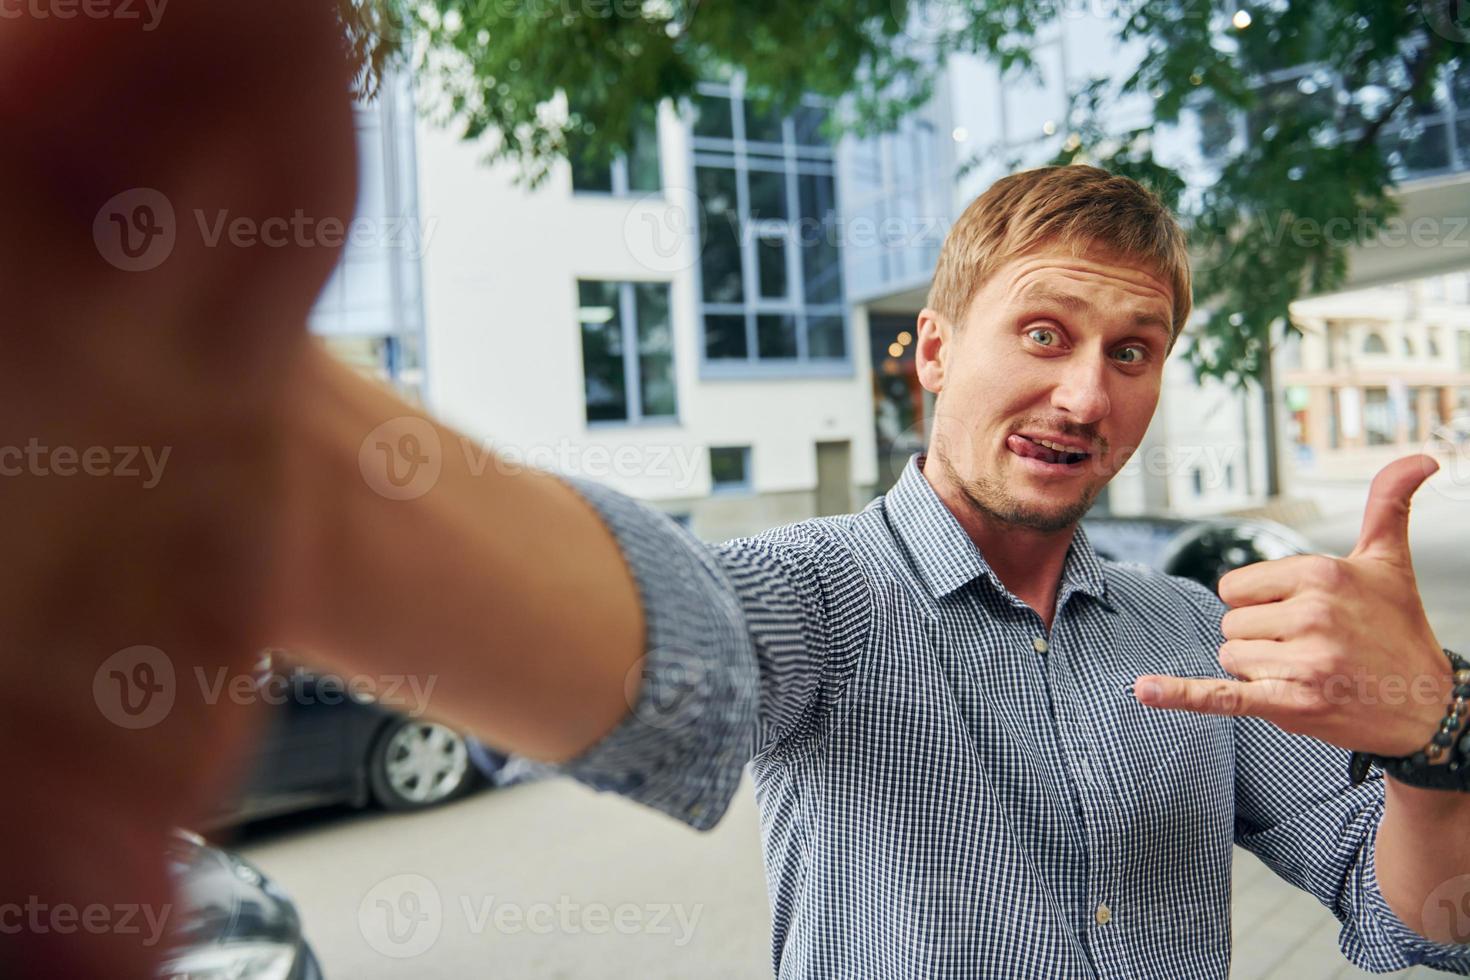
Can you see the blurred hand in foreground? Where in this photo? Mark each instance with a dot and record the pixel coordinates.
(154, 317)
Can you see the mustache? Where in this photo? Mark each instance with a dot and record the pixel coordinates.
(1065, 427)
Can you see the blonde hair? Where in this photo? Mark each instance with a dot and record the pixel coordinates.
(1073, 206)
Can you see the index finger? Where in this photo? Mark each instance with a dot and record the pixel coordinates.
(1266, 581)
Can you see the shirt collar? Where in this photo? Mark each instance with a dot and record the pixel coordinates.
(946, 557)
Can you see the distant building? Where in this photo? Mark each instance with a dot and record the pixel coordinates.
(1380, 367)
(721, 322)
(673, 324)
(371, 311)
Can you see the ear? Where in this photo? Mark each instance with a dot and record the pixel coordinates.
(932, 348)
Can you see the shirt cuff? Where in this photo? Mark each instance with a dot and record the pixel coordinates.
(1384, 942)
(684, 743)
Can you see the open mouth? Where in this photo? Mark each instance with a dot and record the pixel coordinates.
(1046, 451)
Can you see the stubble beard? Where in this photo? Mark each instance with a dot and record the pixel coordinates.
(993, 501)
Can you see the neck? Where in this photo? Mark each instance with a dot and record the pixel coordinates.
(1029, 562)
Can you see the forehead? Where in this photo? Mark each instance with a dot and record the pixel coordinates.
(1117, 283)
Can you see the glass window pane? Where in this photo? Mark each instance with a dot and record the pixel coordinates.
(588, 176)
(655, 349)
(809, 121)
(712, 117)
(643, 171)
(762, 125)
(602, 351)
(728, 465)
(589, 173)
(724, 336)
(1460, 83)
(826, 336)
(771, 253)
(775, 335)
(720, 258)
(821, 266)
(767, 195)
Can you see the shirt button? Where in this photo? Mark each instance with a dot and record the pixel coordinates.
(1040, 645)
(1104, 915)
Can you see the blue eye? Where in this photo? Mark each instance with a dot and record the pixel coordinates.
(1036, 333)
(1137, 352)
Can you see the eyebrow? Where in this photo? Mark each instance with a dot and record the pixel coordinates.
(1076, 304)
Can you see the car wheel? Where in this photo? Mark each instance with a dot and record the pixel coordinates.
(418, 764)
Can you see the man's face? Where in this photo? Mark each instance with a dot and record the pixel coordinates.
(1047, 387)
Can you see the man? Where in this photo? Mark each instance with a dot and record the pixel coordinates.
(952, 706)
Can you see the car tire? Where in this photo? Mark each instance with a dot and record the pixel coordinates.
(417, 764)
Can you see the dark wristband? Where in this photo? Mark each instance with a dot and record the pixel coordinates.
(1421, 768)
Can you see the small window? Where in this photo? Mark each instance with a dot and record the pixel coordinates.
(729, 468)
(1199, 482)
(1374, 344)
(633, 172)
(1433, 343)
(1409, 350)
(627, 351)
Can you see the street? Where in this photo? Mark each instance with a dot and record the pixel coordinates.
(549, 880)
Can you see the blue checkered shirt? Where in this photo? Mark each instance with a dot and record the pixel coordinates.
(947, 788)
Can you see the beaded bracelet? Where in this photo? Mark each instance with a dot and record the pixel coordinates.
(1415, 769)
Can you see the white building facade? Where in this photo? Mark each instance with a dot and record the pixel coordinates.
(664, 325)
(721, 323)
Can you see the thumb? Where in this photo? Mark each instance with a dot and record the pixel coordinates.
(1385, 532)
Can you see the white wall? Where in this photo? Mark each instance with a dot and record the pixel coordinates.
(504, 342)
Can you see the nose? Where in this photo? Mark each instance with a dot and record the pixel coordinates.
(1082, 389)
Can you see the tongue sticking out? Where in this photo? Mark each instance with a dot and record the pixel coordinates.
(1022, 446)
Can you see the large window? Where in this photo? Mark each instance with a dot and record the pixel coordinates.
(627, 351)
(635, 172)
(770, 268)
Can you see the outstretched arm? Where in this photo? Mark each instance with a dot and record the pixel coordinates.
(423, 554)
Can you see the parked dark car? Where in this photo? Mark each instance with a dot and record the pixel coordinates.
(327, 742)
(230, 921)
(1203, 549)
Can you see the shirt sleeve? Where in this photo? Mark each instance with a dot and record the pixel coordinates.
(1297, 810)
(739, 655)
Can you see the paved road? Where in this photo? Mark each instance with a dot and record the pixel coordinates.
(552, 881)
